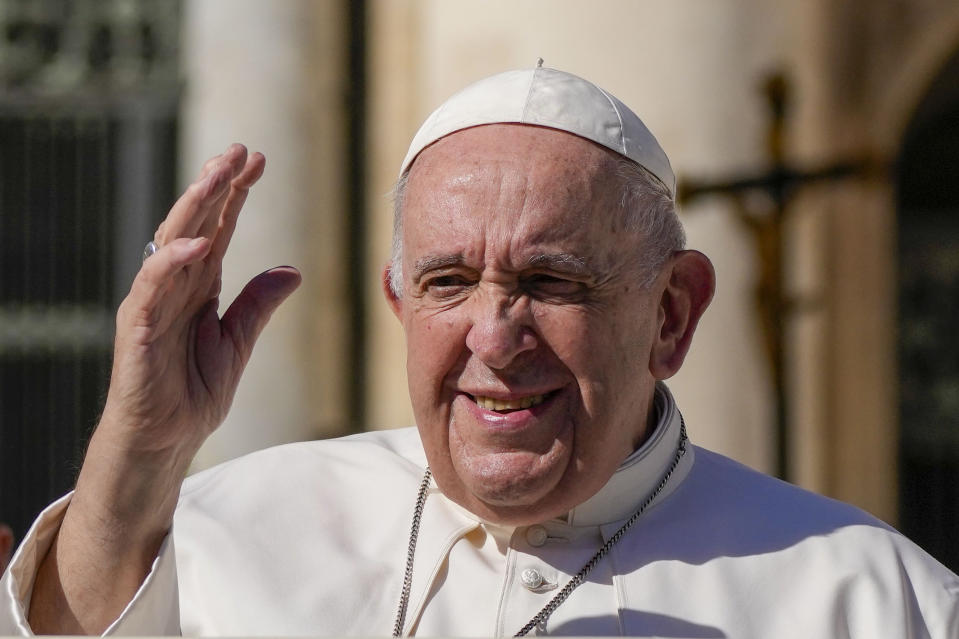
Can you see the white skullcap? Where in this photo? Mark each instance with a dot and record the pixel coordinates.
(549, 98)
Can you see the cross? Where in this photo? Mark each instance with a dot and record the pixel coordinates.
(766, 226)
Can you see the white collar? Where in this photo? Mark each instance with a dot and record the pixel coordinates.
(640, 473)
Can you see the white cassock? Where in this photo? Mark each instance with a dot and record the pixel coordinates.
(311, 539)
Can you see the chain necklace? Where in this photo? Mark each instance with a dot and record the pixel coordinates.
(543, 615)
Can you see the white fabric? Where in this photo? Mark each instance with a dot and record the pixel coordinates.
(553, 99)
(310, 539)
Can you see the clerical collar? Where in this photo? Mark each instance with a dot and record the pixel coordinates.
(639, 474)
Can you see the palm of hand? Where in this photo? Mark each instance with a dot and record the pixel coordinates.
(176, 363)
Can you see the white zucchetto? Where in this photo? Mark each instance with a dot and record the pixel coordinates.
(549, 98)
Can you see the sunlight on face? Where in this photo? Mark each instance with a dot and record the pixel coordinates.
(528, 335)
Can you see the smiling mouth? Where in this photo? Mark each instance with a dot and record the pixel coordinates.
(508, 405)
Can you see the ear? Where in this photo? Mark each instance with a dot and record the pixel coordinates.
(688, 291)
(394, 300)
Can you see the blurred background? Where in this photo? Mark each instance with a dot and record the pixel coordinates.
(816, 145)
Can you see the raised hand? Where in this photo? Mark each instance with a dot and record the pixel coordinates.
(176, 363)
(176, 367)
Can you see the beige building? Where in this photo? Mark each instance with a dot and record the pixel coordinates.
(277, 76)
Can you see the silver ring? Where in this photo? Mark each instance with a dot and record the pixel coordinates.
(148, 250)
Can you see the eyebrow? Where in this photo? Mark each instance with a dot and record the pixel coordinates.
(432, 262)
(563, 262)
(560, 262)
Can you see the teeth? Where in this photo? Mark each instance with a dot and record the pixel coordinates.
(512, 404)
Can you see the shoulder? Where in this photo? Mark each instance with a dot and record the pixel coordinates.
(727, 531)
(723, 509)
(303, 523)
(729, 510)
(734, 488)
(347, 465)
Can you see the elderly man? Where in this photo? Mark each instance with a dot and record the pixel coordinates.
(540, 277)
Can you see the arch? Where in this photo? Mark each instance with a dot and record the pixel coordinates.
(927, 54)
(861, 354)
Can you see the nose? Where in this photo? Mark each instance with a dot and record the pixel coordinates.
(501, 329)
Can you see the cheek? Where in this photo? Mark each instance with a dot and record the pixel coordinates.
(563, 328)
(606, 350)
(579, 337)
(434, 342)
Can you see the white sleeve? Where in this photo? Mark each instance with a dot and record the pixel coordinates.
(154, 609)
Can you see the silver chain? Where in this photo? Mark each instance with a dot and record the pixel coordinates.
(543, 615)
(414, 534)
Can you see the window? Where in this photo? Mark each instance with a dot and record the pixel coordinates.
(88, 105)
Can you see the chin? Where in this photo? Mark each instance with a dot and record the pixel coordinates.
(515, 514)
(510, 495)
(516, 498)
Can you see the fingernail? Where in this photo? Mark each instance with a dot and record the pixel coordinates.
(197, 242)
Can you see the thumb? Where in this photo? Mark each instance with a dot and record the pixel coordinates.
(251, 310)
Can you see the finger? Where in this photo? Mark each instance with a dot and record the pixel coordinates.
(233, 162)
(203, 199)
(252, 171)
(204, 221)
(234, 150)
(239, 190)
(251, 310)
(196, 203)
(174, 225)
(155, 282)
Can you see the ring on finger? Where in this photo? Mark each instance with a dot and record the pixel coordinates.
(151, 248)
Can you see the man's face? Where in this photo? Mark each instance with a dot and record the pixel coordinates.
(528, 333)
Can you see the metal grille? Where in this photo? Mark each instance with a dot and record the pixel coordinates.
(88, 99)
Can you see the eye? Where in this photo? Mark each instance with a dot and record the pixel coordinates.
(446, 285)
(546, 285)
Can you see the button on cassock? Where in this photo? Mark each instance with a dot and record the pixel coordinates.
(536, 535)
(531, 578)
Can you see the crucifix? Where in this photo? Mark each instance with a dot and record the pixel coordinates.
(765, 225)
